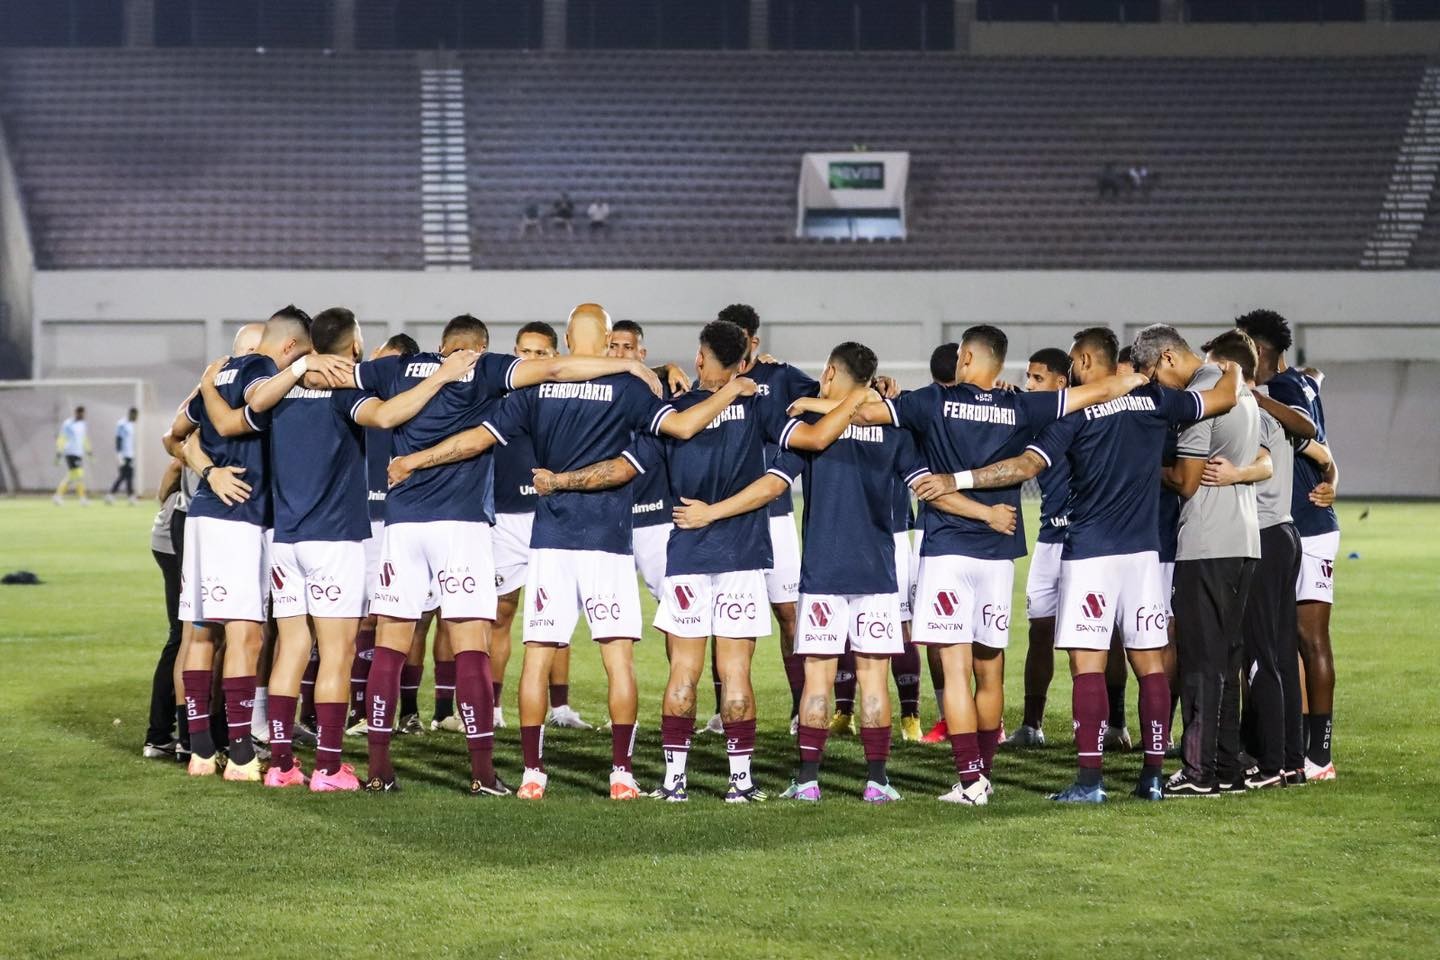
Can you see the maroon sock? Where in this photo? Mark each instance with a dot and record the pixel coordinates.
(496, 686)
(475, 700)
(410, 675)
(965, 748)
(360, 670)
(676, 732)
(1090, 705)
(382, 689)
(197, 711)
(988, 741)
(876, 741)
(1155, 718)
(331, 718)
(715, 678)
(845, 683)
(811, 741)
(282, 721)
(559, 695)
(239, 710)
(532, 747)
(906, 671)
(622, 745)
(307, 686)
(444, 688)
(795, 676)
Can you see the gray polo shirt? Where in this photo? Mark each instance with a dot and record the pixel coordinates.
(1220, 521)
(1272, 497)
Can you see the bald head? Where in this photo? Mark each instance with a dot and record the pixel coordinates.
(588, 333)
(247, 339)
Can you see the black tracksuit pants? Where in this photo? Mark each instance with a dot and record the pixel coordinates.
(1209, 604)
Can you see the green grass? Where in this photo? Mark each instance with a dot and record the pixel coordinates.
(107, 854)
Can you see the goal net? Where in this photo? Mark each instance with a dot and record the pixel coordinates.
(31, 412)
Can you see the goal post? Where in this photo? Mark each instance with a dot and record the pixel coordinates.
(31, 412)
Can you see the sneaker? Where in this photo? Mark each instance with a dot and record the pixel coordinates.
(623, 786)
(499, 720)
(358, 727)
(567, 717)
(1314, 772)
(1172, 751)
(261, 748)
(716, 725)
(1260, 780)
(343, 779)
(1151, 788)
(1118, 738)
(1180, 785)
(304, 735)
(1079, 792)
(374, 785)
(408, 726)
(794, 726)
(1294, 778)
(881, 792)
(750, 794)
(294, 777)
(1233, 786)
(450, 724)
(842, 724)
(910, 731)
(532, 785)
(497, 789)
(182, 753)
(244, 772)
(160, 751)
(203, 766)
(675, 794)
(808, 792)
(937, 734)
(1024, 737)
(975, 795)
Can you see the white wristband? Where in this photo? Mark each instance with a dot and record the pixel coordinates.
(964, 480)
(298, 368)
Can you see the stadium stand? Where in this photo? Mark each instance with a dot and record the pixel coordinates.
(1260, 163)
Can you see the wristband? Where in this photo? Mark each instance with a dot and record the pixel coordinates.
(205, 474)
(964, 480)
(298, 368)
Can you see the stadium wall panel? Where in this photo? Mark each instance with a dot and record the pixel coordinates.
(1204, 39)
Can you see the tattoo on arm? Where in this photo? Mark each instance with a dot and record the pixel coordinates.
(1007, 473)
(598, 476)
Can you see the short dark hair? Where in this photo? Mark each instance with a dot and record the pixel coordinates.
(332, 329)
(1235, 345)
(943, 360)
(1153, 341)
(992, 337)
(80, 409)
(1053, 359)
(542, 328)
(466, 325)
(743, 316)
(134, 412)
(1267, 326)
(1124, 355)
(728, 341)
(294, 313)
(404, 343)
(857, 359)
(1101, 340)
(628, 326)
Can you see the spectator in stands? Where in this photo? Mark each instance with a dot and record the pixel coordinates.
(530, 220)
(1140, 179)
(599, 214)
(562, 213)
(1110, 181)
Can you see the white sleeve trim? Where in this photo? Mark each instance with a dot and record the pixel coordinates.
(777, 472)
(495, 432)
(659, 418)
(1061, 396)
(787, 430)
(251, 420)
(510, 374)
(186, 410)
(894, 415)
(915, 475)
(358, 368)
(252, 385)
(355, 407)
(1199, 404)
(1042, 454)
(1303, 412)
(634, 461)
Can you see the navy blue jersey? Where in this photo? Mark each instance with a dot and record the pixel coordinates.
(1054, 502)
(574, 425)
(718, 462)
(251, 451)
(514, 481)
(1169, 504)
(781, 384)
(901, 519)
(650, 492)
(454, 491)
(317, 466)
(377, 461)
(964, 427)
(848, 521)
(1114, 450)
(1295, 390)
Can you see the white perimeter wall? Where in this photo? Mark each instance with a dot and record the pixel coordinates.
(164, 325)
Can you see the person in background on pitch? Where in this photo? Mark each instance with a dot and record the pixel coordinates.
(73, 444)
(125, 455)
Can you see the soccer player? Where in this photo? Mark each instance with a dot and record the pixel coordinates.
(1216, 554)
(967, 569)
(1109, 567)
(943, 361)
(125, 456)
(438, 528)
(1293, 398)
(160, 741)
(904, 667)
(651, 490)
(73, 443)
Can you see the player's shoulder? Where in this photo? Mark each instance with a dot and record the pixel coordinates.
(252, 362)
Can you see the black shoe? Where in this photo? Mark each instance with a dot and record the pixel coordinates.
(1264, 781)
(1294, 778)
(376, 785)
(1180, 785)
(498, 789)
(159, 751)
(182, 753)
(1233, 786)
(303, 735)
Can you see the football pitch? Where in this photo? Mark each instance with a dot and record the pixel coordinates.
(108, 854)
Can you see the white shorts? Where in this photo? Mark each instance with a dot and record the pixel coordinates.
(222, 576)
(1042, 584)
(1167, 584)
(1097, 593)
(782, 581)
(444, 563)
(562, 583)
(651, 544)
(917, 537)
(963, 600)
(714, 605)
(512, 550)
(871, 622)
(904, 574)
(322, 578)
(372, 558)
(1317, 568)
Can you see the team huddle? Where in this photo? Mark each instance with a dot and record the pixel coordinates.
(323, 508)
